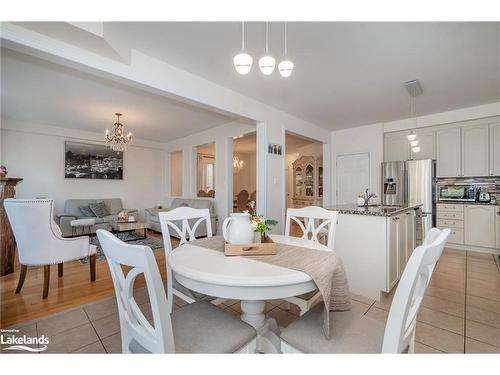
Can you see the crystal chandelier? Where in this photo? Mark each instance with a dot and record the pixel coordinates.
(117, 141)
(237, 164)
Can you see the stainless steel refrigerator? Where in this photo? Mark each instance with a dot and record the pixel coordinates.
(411, 182)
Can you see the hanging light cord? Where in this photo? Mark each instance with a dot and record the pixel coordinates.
(267, 37)
(286, 41)
(242, 36)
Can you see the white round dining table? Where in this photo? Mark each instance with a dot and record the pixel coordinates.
(238, 277)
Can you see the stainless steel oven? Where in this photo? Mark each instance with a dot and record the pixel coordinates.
(457, 193)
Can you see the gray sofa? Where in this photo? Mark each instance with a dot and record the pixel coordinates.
(72, 212)
(154, 221)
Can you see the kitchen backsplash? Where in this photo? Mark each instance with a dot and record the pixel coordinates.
(489, 184)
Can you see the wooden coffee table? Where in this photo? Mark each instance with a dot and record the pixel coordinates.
(129, 227)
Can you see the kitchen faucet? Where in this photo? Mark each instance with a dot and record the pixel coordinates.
(367, 197)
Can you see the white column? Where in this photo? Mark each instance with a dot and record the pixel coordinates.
(261, 167)
(327, 190)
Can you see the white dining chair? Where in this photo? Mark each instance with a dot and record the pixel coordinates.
(195, 328)
(39, 240)
(183, 221)
(355, 333)
(314, 222)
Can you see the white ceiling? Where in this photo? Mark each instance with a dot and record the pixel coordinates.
(346, 74)
(38, 91)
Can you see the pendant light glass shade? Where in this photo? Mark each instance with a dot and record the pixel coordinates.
(414, 143)
(285, 68)
(243, 61)
(267, 64)
(412, 136)
(415, 149)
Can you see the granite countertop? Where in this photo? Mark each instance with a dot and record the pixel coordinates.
(373, 210)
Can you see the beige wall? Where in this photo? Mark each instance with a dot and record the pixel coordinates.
(176, 174)
(245, 179)
(36, 153)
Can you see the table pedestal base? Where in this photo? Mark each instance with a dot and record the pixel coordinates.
(268, 333)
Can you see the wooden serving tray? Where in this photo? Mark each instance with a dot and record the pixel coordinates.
(267, 248)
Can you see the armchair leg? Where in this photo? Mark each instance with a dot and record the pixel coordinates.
(22, 276)
(46, 279)
(92, 267)
(60, 270)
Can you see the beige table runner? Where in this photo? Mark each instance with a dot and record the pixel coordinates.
(324, 267)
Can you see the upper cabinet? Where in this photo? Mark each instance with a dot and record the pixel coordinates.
(448, 153)
(495, 149)
(427, 143)
(465, 149)
(475, 155)
(397, 147)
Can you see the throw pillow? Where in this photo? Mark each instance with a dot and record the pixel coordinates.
(99, 209)
(184, 204)
(86, 211)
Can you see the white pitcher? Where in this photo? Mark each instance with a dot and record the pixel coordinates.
(237, 229)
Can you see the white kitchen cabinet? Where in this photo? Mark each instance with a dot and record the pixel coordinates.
(497, 209)
(448, 153)
(393, 243)
(409, 234)
(396, 147)
(427, 144)
(495, 149)
(475, 155)
(479, 225)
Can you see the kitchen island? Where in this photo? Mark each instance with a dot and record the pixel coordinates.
(374, 243)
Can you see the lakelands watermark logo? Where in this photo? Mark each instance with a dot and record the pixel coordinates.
(19, 342)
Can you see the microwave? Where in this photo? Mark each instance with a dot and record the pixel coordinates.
(461, 193)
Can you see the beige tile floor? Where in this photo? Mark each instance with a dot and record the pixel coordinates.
(460, 313)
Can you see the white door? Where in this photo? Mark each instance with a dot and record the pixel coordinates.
(353, 176)
(495, 149)
(479, 223)
(475, 155)
(396, 147)
(448, 153)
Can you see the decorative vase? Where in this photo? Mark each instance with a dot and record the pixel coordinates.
(257, 237)
(237, 229)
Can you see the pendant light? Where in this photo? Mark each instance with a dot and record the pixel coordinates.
(243, 61)
(414, 89)
(267, 62)
(286, 66)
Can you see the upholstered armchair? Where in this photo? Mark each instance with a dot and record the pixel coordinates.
(39, 240)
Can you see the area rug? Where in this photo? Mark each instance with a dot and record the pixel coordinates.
(153, 243)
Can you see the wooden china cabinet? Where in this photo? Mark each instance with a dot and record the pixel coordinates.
(307, 182)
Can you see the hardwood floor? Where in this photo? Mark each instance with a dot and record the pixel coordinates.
(71, 290)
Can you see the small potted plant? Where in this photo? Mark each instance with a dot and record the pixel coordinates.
(260, 224)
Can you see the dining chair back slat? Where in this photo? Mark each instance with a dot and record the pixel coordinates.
(170, 220)
(399, 336)
(315, 220)
(136, 331)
